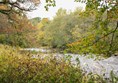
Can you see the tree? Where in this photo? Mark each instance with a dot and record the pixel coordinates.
(108, 6)
(65, 28)
(13, 7)
(7, 6)
(61, 12)
(15, 28)
(35, 21)
(104, 30)
(20, 33)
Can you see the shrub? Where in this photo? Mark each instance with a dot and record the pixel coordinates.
(15, 68)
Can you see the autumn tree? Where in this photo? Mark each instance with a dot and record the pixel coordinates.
(103, 37)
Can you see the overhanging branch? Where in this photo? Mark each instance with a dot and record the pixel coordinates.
(112, 32)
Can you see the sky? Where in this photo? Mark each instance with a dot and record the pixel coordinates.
(69, 5)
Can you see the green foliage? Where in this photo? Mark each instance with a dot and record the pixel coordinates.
(50, 3)
(114, 79)
(81, 32)
(17, 68)
(62, 30)
(14, 40)
(17, 39)
(100, 37)
(35, 20)
(19, 33)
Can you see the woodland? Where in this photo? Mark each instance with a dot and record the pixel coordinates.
(84, 32)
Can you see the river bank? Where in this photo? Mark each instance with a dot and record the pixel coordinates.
(89, 63)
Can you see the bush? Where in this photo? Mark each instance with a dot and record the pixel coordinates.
(15, 68)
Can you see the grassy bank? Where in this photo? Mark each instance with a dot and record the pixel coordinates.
(17, 68)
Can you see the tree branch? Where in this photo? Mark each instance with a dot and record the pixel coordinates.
(18, 3)
(103, 37)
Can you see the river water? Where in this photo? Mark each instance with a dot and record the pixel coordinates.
(88, 63)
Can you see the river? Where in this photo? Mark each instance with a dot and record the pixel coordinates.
(88, 63)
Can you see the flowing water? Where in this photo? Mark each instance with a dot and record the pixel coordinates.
(89, 63)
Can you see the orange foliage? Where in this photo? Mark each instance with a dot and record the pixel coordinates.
(3, 7)
(74, 43)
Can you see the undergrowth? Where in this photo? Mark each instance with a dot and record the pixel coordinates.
(16, 68)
